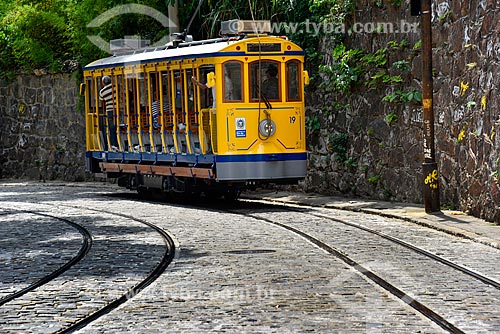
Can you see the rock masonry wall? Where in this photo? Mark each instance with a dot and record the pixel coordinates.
(383, 153)
(42, 131)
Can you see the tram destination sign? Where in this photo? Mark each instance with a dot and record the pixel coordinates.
(264, 47)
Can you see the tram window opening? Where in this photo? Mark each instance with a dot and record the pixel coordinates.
(190, 90)
(207, 96)
(188, 112)
(100, 103)
(143, 94)
(232, 82)
(293, 80)
(90, 95)
(154, 94)
(108, 91)
(143, 104)
(265, 80)
(178, 90)
(121, 98)
(166, 81)
(132, 101)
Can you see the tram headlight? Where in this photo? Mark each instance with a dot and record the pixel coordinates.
(267, 128)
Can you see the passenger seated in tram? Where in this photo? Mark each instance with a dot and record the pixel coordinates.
(270, 84)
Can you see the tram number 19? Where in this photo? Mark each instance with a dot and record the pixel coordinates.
(292, 119)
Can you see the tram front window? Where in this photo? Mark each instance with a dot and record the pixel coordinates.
(232, 81)
(265, 81)
(293, 81)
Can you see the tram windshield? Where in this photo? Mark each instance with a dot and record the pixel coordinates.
(265, 81)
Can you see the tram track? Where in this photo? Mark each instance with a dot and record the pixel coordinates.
(166, 259)
(385, 284)
(82, 320)
(84, 249)
(469, 272)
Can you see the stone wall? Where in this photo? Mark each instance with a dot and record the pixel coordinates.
(42, 131)
(383, 151)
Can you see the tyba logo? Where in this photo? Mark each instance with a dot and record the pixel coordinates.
(127, 9)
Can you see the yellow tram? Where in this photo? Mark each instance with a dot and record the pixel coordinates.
(214, 115)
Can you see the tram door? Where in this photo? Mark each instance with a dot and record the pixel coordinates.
(205, 111)
(92, 109)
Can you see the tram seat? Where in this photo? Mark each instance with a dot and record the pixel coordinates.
(181, 141)
(157, 141)
(146, 142)
(169, 142)
(104, 142)
(195, 143)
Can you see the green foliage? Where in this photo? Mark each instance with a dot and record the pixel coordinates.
(350, 66)
(345, 71)
(383, 77)
(396, 3)
(398, 45)
(387, 193)
(418, 45)
(445, 16)
(379, 58)
(313, 124)
(470, 105)
(46, 33)
(401, 65)
(337, 142)
(391, 118)
(403, 97)
(32, 37)
(351, 163)
(38, 35)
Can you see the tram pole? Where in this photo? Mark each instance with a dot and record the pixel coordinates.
(429, 167)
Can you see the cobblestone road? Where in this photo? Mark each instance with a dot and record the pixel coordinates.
(452, 294)
(231, 273)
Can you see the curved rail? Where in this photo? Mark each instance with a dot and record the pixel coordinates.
(86, 245)
(167, 258)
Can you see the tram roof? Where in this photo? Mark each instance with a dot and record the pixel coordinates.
(198, 49)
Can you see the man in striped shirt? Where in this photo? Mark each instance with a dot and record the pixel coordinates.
(107, 95)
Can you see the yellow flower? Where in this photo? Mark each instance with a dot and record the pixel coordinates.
(463, 87)
(461, 135)
(483, 102)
